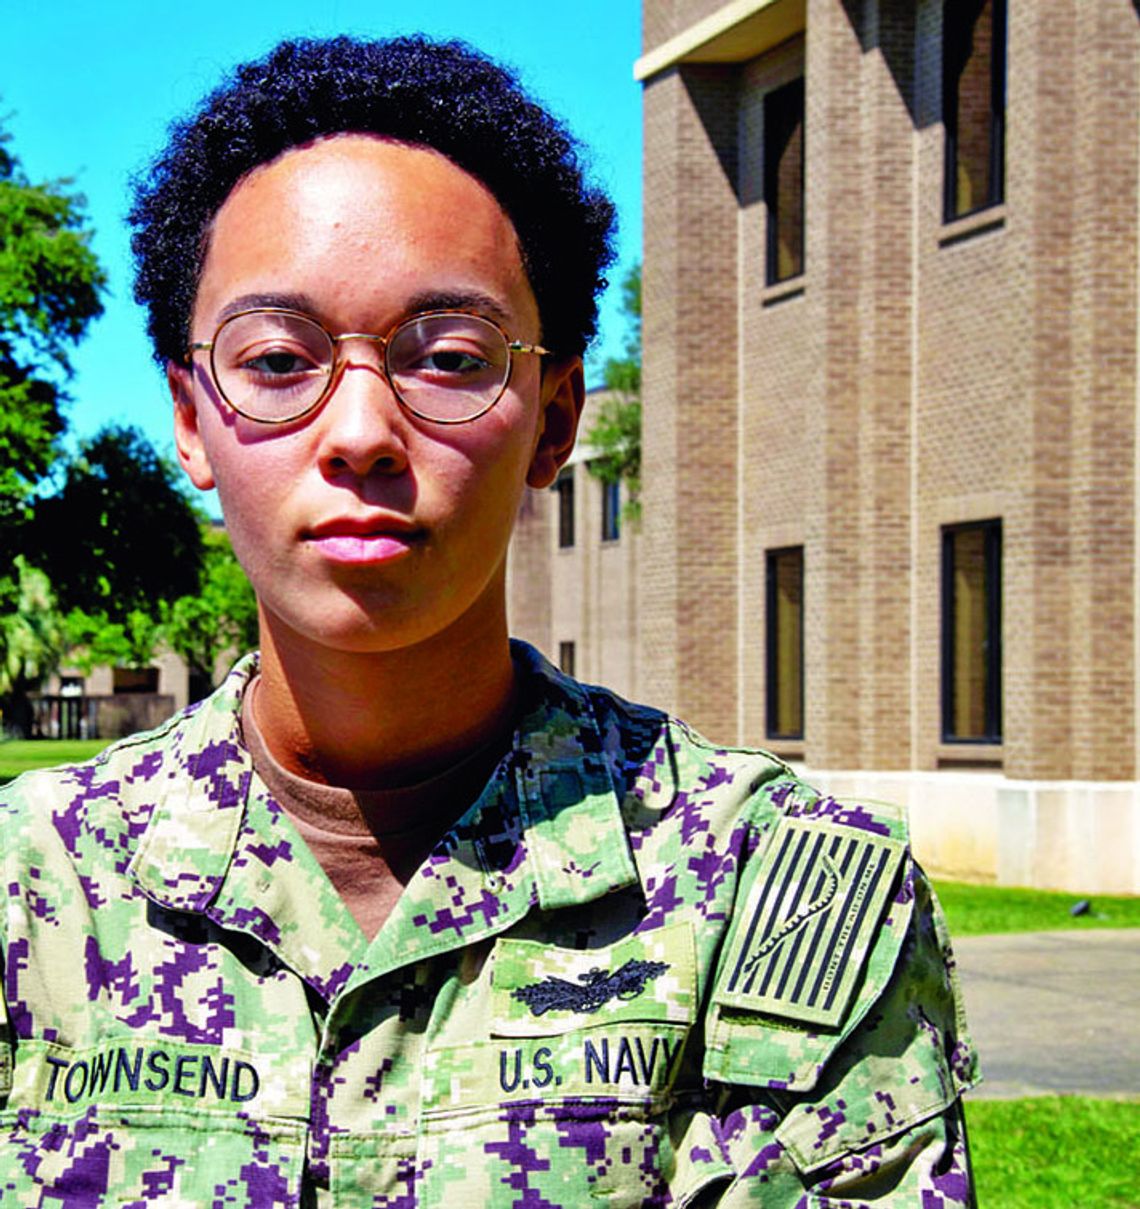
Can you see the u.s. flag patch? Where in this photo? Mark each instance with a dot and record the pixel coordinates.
(809, 921)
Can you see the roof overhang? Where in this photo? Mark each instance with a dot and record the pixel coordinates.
(737, 31)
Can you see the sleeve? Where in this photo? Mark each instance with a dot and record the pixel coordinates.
(5, 1038)
(8, 879)
(836, 1044)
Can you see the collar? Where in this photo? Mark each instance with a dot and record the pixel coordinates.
(570, 805)
(547, 830)
(186, 849)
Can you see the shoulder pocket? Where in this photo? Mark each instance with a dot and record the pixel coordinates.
(899, 1054)
(813, 947)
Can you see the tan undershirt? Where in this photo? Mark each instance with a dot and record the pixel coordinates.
(350, 831)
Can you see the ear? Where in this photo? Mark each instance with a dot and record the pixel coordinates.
(563, 394)
(187, 436)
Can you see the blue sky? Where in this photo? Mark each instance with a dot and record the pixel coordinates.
(88, 89)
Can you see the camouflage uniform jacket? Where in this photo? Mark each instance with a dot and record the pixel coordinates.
(641, 970)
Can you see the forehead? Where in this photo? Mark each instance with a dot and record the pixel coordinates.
(363, 223)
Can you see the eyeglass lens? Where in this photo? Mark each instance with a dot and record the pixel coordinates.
(275, 366)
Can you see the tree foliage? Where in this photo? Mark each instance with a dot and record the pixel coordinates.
(120, 536)
(218, 618)
(93, 640)
(50, 287)
(132, 567)
(614, 435)
(31, 632)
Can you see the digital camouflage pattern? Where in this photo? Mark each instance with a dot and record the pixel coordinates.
(641, 970)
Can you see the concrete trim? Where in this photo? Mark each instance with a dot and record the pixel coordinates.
(737, 31)
(980, 825)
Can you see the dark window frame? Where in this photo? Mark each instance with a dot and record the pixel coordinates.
(564, 489)
(134, 680)
(771, 645)
(953, 40)
(777, 129)
(567, 657)
(992, 707)
(611, 511)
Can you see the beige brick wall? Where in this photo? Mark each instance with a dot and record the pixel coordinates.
(774, 440)
(923, 375)
(586, 594)
(529, 595)
(918, 375)
(663, 19)
(688, 634)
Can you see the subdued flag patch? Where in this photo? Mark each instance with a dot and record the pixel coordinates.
(809, 921)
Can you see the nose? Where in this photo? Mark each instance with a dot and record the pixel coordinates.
(364, 428)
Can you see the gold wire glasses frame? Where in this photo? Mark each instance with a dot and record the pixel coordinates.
(446, 367)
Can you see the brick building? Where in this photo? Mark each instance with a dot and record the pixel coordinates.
(572, 574)
(890, 394)
(890, 465)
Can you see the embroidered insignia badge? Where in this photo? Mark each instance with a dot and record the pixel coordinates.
(809, 921)
(597, 988)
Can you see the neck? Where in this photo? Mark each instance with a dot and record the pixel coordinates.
(380, 720)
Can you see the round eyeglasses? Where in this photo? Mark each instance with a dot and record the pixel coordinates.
(273, 366)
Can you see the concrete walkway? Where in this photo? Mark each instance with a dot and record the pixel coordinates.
(1054, 1012)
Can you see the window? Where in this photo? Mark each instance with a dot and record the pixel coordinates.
(973, 104)
(71, 686)
(566, 657)
(971, 633)
(134, 680)
(564, 485)
(784, 180)
(611, 511)
(785, 643)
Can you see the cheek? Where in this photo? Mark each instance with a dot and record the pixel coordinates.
(253, 483)
(247, 527)
(483, 491)
(499, 453)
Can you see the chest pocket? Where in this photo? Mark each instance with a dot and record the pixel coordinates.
(570, 1087)
(135, 1121)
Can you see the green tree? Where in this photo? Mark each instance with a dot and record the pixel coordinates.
(50, 287)
(219, 619)
(32, 639)
(93, 640)
(615, 433)
(120, 536)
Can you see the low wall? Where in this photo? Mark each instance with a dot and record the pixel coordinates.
(122, 714)
(105, 716)
(1081, 836)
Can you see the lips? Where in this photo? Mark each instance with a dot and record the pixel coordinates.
(363, 539)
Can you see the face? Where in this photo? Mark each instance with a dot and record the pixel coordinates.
(361, 527)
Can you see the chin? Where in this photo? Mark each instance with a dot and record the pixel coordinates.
(349, 628)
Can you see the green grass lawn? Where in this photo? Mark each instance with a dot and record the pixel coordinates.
(1055, 1152)
(977, 910)
(19, 755)
(1047, 1152)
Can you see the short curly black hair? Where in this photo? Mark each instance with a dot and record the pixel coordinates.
(443, 95)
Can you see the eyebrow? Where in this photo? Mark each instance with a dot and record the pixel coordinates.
(460, 300)
(255, 302)
(429, 300)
